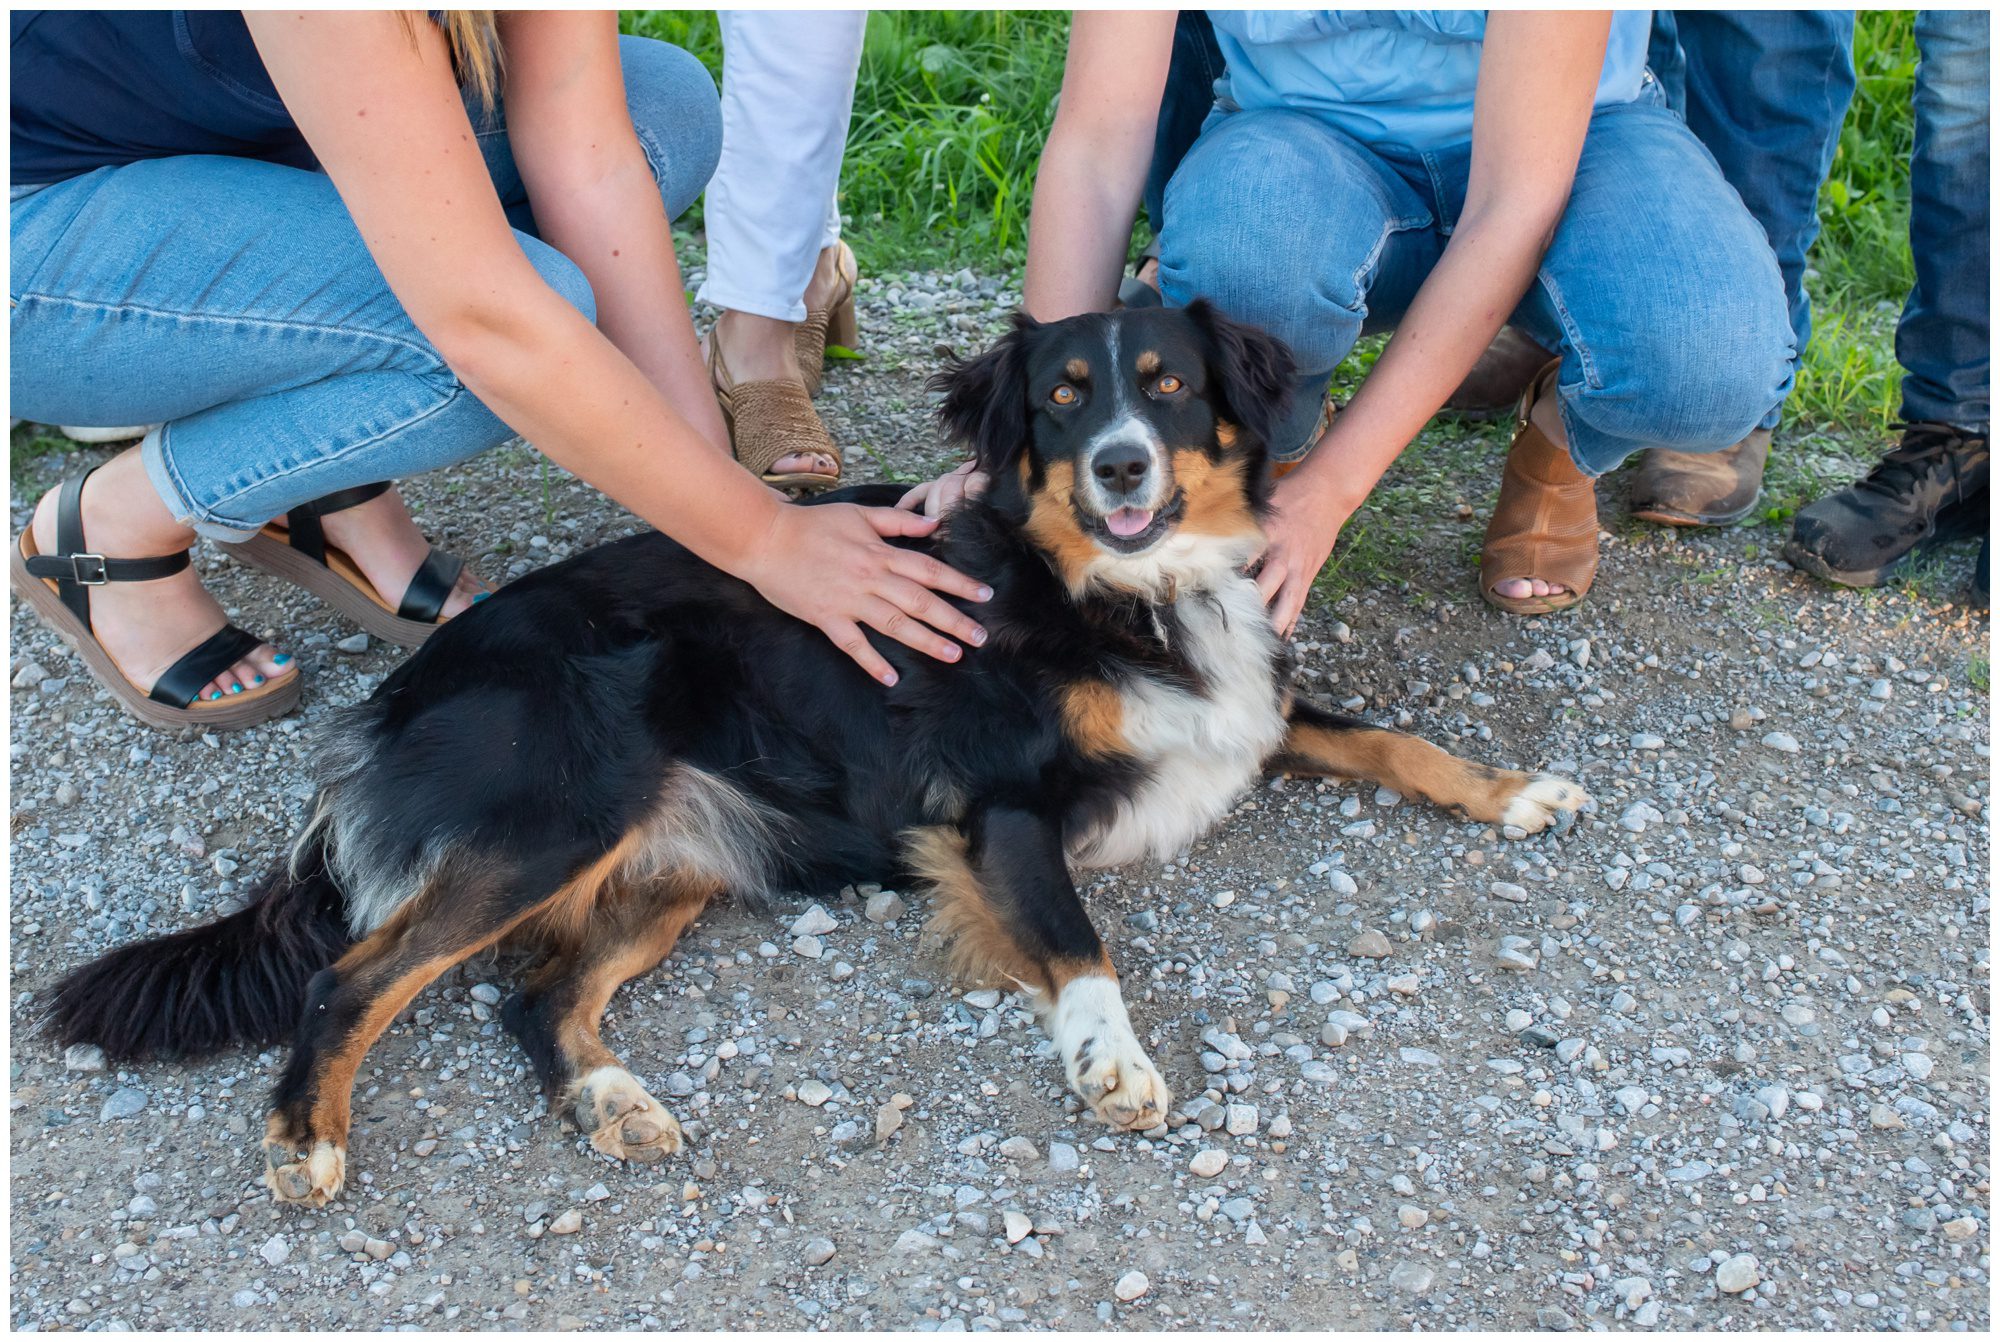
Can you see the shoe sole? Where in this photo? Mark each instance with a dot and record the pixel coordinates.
(1945, 530)
(1674, 517)
(282, 561)
(230, 714)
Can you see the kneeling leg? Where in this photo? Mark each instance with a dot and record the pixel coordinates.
(1323, 744)
(557, 1016)
(1012, 917)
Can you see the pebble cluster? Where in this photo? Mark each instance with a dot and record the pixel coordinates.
(1715, 1057)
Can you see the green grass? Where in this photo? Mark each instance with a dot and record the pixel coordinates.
(950, 111)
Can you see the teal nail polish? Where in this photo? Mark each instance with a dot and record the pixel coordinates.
(213, 695)
(282, 658)
(481, 597)
(259, 680)
(235, 688)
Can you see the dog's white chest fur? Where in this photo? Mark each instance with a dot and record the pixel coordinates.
(1202, 748)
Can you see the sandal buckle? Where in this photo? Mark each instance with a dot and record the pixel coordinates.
(88, 570)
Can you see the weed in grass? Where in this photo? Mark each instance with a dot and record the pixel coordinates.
(1979, 672)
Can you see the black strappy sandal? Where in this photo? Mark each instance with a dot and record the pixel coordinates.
(296, 550)
(57, 588)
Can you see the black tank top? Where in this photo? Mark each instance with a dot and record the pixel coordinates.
(98, 87)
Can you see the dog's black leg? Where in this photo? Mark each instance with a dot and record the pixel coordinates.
(1012, 917)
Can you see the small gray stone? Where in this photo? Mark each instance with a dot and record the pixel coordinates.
(123, 1103)
(1371, 944)
(275, 1250)
(885, 907)
(83, 1058)
(1412, 1277)
(1063, 1158)
(1019, 1150)
(818, 1251)
(1737, 1274)
(815, 921)
(814, 1092)
(1131, 1286)
(357, 643)
(1784, 743)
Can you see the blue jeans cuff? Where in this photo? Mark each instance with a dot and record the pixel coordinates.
(153, 453)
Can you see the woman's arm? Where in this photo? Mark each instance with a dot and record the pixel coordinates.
(1093, 167)
(1538, 77)
(385, 117)
(595, 198)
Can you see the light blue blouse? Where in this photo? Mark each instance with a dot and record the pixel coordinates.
(1387, 76)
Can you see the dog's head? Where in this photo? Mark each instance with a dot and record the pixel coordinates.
(1127, 446)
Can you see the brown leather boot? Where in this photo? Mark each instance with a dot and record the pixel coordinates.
(1701, 489)
(1545, 523)
(1498, 379)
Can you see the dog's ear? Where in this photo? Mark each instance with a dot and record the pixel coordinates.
(986, 399)
(1251, 372)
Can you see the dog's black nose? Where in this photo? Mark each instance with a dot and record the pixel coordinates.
(1121, 467)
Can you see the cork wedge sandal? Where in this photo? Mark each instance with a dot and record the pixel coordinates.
(57, 588)
(769, 421)
(296, 550)
(1545, 523)
(833, 324)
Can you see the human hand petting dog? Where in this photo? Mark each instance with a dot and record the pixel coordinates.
(828, 566)
(1300, 533)
(935, 498)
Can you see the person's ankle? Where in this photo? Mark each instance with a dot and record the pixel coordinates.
(757, 349)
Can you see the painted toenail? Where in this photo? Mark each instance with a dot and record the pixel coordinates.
(258, 681)
(213, 695)
(235, 688)
(481, 597)
(282, 658)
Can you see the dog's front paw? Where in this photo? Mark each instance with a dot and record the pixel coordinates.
(1102, 1057)
(623, 1121)
(1119, 1082)
(1543, 799)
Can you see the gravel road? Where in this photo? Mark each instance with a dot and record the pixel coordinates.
(1715, 1058)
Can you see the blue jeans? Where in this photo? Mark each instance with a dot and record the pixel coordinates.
(1659, 289)
(1766, 91)
(1943, 341)
(233, 302)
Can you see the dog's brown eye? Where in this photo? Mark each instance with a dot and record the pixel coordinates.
(1167, 385)
(1063, 395)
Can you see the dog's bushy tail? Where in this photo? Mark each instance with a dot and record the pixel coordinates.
(239, 980)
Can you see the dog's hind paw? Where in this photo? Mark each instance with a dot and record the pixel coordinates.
(623, 1121)
(311, 1173)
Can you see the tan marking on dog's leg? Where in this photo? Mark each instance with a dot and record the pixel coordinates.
(979, 947)
(1415, 767)
(623, 1120)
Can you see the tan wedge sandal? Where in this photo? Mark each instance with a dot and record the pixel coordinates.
(833, 324)
(1545, 524)
(769, 421)
(57, 588)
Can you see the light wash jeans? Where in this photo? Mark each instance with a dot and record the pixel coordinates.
(233, 302)
(1659, 289)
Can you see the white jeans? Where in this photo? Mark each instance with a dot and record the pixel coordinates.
(787, 93)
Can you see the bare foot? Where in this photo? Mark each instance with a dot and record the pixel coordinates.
(383, 541)
(148, 626)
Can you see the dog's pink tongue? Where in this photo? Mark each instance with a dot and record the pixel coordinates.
(1129, 521)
